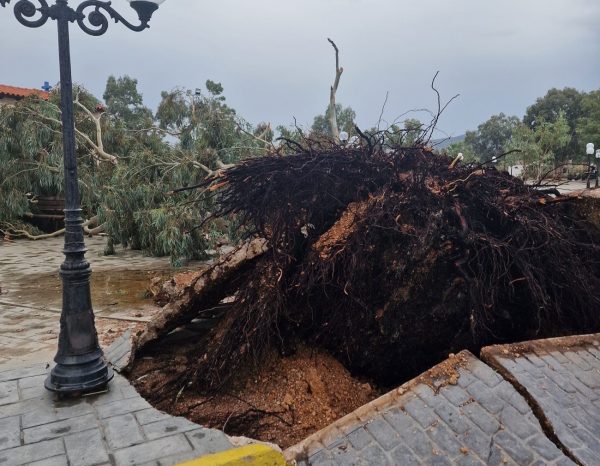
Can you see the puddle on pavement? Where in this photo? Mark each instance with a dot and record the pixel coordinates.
(113, 291)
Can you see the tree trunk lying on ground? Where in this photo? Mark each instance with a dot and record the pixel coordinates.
(204, 292)
(389, 259)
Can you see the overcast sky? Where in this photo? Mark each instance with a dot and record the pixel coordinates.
(275, 64)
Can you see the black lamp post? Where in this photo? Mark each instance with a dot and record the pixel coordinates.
(589, 149)
(80, 364)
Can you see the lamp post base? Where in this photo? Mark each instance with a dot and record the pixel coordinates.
(79, 376)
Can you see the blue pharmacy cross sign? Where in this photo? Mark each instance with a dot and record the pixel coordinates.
(47, 87)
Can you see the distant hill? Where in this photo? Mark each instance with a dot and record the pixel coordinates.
(441, 144)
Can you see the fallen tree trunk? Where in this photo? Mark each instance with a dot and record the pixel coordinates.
(205, 291)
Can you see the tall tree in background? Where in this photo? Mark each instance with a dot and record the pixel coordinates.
(588, 124)
(543, 145)
(345, 121)
(568, 102)
(125, 103)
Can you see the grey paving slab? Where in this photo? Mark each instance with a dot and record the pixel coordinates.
(113, 428)
(436, 419)
(86, 448)
(10, 432)
(562, 378)
(28, 454)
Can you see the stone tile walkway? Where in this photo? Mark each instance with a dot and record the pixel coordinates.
(459, 413)
(113, 428)
(561, 378)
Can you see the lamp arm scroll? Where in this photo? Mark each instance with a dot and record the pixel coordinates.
(26, 10)
(98, 18)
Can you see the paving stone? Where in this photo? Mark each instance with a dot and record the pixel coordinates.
(29, 453)
(10, 432)
(376, 455)
(152, 450)
(445, 439)
(481, 418)
(38, 392)
(383, 433)
(59, 428)
(34, 381)
(563, 380)
(456, 395)
(54, 461)
(208, 441)
(167, 427)
(468, 460)
(146, 416)
(122, 431)
(117, 408)
(22, 407)
(485, 397)
(21, 373)
(360, 438)
(402, 455)
(519, 425)
(419, 411)
(86, 448)
(9, 392)
(475, 424)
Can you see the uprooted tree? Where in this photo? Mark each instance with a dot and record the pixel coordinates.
(127, 159)
(390, 258)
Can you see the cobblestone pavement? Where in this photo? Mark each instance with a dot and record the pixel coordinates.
(113, 428)
(30, 296)
(562, 378)
(459, 413)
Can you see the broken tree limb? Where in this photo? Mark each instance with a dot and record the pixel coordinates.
(205, 291)
(335, 132)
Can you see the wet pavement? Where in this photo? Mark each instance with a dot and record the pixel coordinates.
(30, 295)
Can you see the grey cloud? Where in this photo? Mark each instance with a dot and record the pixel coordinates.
(275, 64)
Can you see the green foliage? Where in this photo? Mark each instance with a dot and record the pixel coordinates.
(492, 137)
(193, 135)
(542, 146)
(345, 119)
(465, 149)
(588, 124)
(568, 102)
(125, 103)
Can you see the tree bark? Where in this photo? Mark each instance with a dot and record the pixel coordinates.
(205, 291)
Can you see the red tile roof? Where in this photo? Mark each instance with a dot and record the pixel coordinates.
(21, 92)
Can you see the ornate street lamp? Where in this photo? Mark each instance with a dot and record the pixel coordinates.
(597, 166)
(589, 149)
(80, 364)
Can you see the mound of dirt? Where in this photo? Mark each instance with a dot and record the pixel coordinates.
(285, 400)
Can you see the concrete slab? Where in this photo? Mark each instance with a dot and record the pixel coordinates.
(561, 379)
(461, 412)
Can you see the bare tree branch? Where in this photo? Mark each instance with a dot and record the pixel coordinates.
(335, 132)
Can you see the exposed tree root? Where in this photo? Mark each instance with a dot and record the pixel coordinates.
(391, 259)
